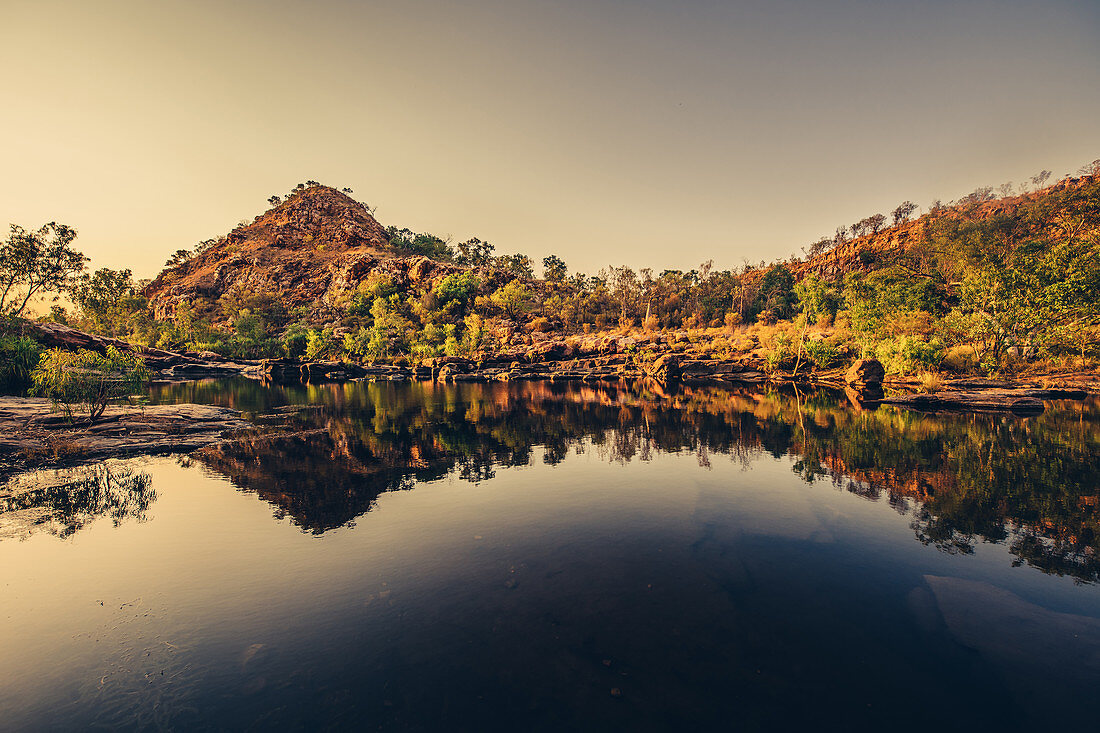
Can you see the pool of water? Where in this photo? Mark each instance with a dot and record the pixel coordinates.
(561, 557)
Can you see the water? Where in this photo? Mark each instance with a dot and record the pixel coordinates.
(562, 557)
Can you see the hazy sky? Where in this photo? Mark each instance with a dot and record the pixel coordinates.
(607, 131)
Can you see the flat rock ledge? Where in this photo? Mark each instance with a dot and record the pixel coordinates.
(1020, 401)
(33, 433)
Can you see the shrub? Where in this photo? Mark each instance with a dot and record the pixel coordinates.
(539, 324)
(910, 354)
(320, 344)
(295, 341)
(822, 353)
(18, 357)
(930, 382)
(88, 379)
(961, 359)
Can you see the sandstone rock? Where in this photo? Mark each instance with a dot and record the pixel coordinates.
(865, 371)
(665, 368)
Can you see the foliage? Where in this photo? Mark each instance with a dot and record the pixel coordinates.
(320, 344)
(88, 379)
(514, 299)
(910, 354)
(554, 268)
(18, 357)
(777, 297)
(822, 353)
(427, 245)
(35, 263)
(108, 303)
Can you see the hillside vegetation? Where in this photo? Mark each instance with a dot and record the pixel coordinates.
(994, 283)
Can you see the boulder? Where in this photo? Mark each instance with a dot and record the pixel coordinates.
(665, 368)
(865, 371)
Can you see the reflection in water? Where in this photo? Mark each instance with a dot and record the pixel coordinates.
(64, 501)
(963, 478)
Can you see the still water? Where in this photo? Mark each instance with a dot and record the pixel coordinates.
(562, 557)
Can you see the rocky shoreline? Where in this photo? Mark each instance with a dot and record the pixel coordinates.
(663, 356)
(34, 434)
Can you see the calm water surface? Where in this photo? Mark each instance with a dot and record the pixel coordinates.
(534, 556)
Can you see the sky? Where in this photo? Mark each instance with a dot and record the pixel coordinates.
(655, 134)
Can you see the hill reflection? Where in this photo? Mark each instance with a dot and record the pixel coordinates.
(1030, 483)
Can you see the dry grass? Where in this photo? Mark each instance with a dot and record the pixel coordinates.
(930, 382)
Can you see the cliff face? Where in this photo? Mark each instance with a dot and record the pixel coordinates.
(306, 250)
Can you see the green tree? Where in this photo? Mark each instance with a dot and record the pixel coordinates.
(109, 303)
(554, 268)
(514, 299)
(517, 265)
(35, 263)
(88, 379)
(474, 253)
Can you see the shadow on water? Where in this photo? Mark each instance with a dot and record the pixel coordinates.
(1026, 482)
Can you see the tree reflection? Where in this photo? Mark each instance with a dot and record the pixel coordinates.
(1030, 483)
(64, 501)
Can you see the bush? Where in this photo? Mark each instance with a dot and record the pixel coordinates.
(822, 353)
(295, 341)
(910, 354)
(88, 379)
(961, 360)
(18, 357)
(320, 344)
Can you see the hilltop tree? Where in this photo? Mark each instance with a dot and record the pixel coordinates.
(178, 258)
(819, 247)
(903, 213)
(1040, 178)
(519, 265)
(34, 263)
(1090, 169)
(474, 253)
(554, 269)
(871, 225)
(275, 200)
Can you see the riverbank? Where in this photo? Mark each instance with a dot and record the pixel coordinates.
(33, 434)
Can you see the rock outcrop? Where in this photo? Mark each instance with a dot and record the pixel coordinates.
(865, 372)
(32, 432)
(308, 252)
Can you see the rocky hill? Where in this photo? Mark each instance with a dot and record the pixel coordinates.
(310, 250)
(315, 248)
(870, 251)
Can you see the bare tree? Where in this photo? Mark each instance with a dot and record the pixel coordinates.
(1090, 169)
(903, 212)
(1040, 178)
